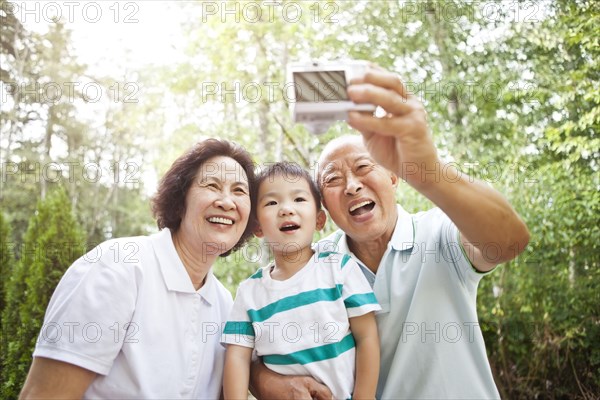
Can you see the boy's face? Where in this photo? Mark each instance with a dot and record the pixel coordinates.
(287, 213)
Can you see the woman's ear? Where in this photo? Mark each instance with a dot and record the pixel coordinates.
(321, 219)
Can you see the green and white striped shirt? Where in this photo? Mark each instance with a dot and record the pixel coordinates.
(300, 326)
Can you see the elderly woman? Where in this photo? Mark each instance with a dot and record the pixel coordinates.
(141, 317)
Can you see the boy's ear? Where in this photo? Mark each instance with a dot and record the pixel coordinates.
(394, 179)
(321, 219)
(258, 232)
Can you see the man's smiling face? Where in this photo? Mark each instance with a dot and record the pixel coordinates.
(358, 193)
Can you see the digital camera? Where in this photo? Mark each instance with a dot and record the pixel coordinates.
(320, 96)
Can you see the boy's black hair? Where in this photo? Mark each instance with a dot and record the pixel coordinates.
(288, 170)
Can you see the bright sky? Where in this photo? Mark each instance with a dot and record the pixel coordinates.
(112, 36)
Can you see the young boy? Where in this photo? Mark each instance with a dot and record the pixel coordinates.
(306, 313)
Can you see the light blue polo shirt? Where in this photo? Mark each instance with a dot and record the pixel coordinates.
(431, 343)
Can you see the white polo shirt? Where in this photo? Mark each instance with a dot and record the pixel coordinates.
(128, 311)
(431, 343)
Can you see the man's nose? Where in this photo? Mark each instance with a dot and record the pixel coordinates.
(353, 185)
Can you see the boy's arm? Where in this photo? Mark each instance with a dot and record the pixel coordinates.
(364, 330)
(237, 372)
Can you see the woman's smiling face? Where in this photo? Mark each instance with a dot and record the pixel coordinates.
(217, 206)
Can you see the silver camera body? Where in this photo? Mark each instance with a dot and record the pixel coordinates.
(320, 96)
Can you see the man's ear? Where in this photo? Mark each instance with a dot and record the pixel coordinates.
(258, 232)
(321, 219)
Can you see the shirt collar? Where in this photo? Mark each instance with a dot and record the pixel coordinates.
(173, 271)
(404, 234)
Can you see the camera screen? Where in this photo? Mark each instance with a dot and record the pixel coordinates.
(320, 86)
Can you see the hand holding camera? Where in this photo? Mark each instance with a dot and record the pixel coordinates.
(320, 96)
(396, 135)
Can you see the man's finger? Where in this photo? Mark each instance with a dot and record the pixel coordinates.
(386, 98)
(372, 66)
(386, 79)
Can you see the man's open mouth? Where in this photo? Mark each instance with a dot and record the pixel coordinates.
(362, 207)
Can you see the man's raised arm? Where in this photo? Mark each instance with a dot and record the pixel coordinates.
(491, 231)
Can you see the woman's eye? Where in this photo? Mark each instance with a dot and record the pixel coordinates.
(209, 185)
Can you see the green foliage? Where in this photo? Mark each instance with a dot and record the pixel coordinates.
(542, 324)
(52, 242)
(7, 264)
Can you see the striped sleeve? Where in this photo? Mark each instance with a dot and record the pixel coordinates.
(238, 329)
(358, 296)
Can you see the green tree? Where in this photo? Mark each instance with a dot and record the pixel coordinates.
(52, 242)
(545, 323)
(7, 261)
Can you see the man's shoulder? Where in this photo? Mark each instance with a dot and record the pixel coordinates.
(432, 217)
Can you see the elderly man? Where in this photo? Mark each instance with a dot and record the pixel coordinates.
(425, 267)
